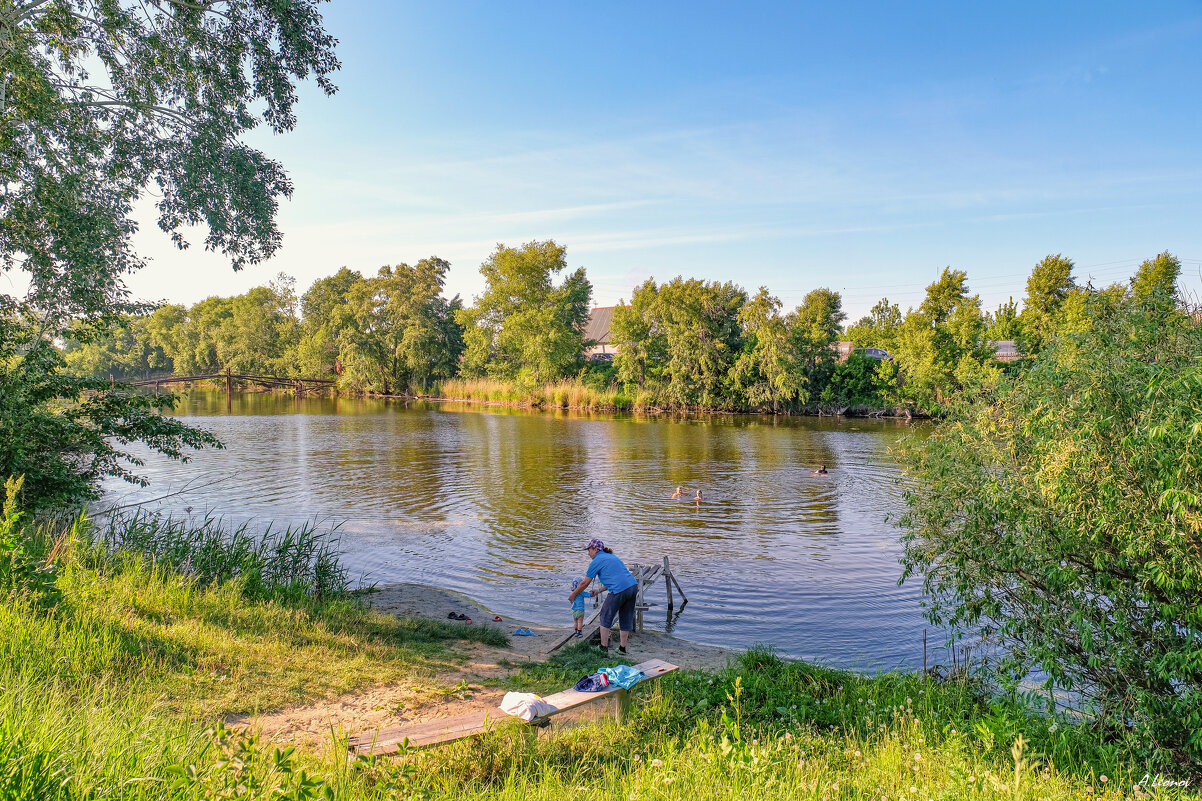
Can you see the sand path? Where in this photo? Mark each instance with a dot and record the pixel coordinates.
(454, 692)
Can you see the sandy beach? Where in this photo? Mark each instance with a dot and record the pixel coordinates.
(391, 705)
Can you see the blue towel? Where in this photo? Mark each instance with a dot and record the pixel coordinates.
(623, 675)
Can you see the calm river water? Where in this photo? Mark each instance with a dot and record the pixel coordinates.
(498, 504)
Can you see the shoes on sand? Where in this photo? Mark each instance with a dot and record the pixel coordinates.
(523, 633)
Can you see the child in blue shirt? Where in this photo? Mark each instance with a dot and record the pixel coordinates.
(578, 606)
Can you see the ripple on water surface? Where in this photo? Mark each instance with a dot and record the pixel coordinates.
(499, 505)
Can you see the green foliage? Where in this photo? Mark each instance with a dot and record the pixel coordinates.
(242, 769)
(100, 100)
(1049, 286)
(878, 329)
(766, 371)
(64, 433)
(1003, 324)
(682, 341)
(108, 98)
(1062, 515)
(813, 331)
(941, 348)
(524, 327)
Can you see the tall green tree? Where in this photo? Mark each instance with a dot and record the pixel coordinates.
(1049, 285)
(1157, 278)
(767, 371)
(1062, 516)
(98, 100)
(814, 327)
(524, 326)
(322, 315)
(701, 325)
(1003, 324)
(637, 329)
(941, 348)
(878, 329)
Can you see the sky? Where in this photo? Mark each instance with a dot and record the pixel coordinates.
(857, 146)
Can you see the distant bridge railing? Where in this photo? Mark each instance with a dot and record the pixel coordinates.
(300, 385)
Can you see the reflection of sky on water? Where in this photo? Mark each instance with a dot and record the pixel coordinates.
(498, 505)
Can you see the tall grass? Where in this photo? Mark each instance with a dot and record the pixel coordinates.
(563, 394)
(296, 560)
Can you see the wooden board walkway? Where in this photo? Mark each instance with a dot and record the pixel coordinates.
(449, 729)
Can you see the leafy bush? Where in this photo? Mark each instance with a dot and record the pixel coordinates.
(1063, 516)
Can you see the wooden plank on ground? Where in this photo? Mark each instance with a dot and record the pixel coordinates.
(431, 733)
(448, 729)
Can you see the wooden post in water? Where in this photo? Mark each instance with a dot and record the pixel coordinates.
(668, 582)
(229, 391)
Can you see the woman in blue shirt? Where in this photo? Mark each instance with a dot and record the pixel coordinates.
(622, 586)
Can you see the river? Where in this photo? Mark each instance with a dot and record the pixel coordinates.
(498, 504)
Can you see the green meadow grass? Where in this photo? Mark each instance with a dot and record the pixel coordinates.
(119, 689)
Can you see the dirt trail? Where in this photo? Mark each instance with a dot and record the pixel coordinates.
(454, 692)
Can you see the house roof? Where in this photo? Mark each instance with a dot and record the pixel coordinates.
(598, 324)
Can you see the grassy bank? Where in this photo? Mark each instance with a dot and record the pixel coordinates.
(118, 664)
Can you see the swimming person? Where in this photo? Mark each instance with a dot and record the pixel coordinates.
(623, 589)
(679, 493)
(821, 471)
(699, 499)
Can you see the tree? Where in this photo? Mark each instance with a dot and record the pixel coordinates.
(1157, 278)
(320, 320)
(1049, 285)
(814, 328)
(879, 328)
(766, 371)
(941, 348)
(524, 326)
(1003, 324)
(1062, 516)
(637, 331)
(98, 101)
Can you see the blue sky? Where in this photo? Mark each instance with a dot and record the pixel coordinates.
(862, 147)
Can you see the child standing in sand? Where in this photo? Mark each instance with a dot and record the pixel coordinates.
(578, 607)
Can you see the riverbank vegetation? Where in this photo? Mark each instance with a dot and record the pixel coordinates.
(1061, 515)
(119, 674)
(683, 344)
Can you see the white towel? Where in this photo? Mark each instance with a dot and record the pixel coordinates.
(526, 706)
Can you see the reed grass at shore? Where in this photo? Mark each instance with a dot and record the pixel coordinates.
(565, 394)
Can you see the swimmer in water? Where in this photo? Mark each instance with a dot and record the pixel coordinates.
(821, 471)
(679, 492)
(699, 499)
